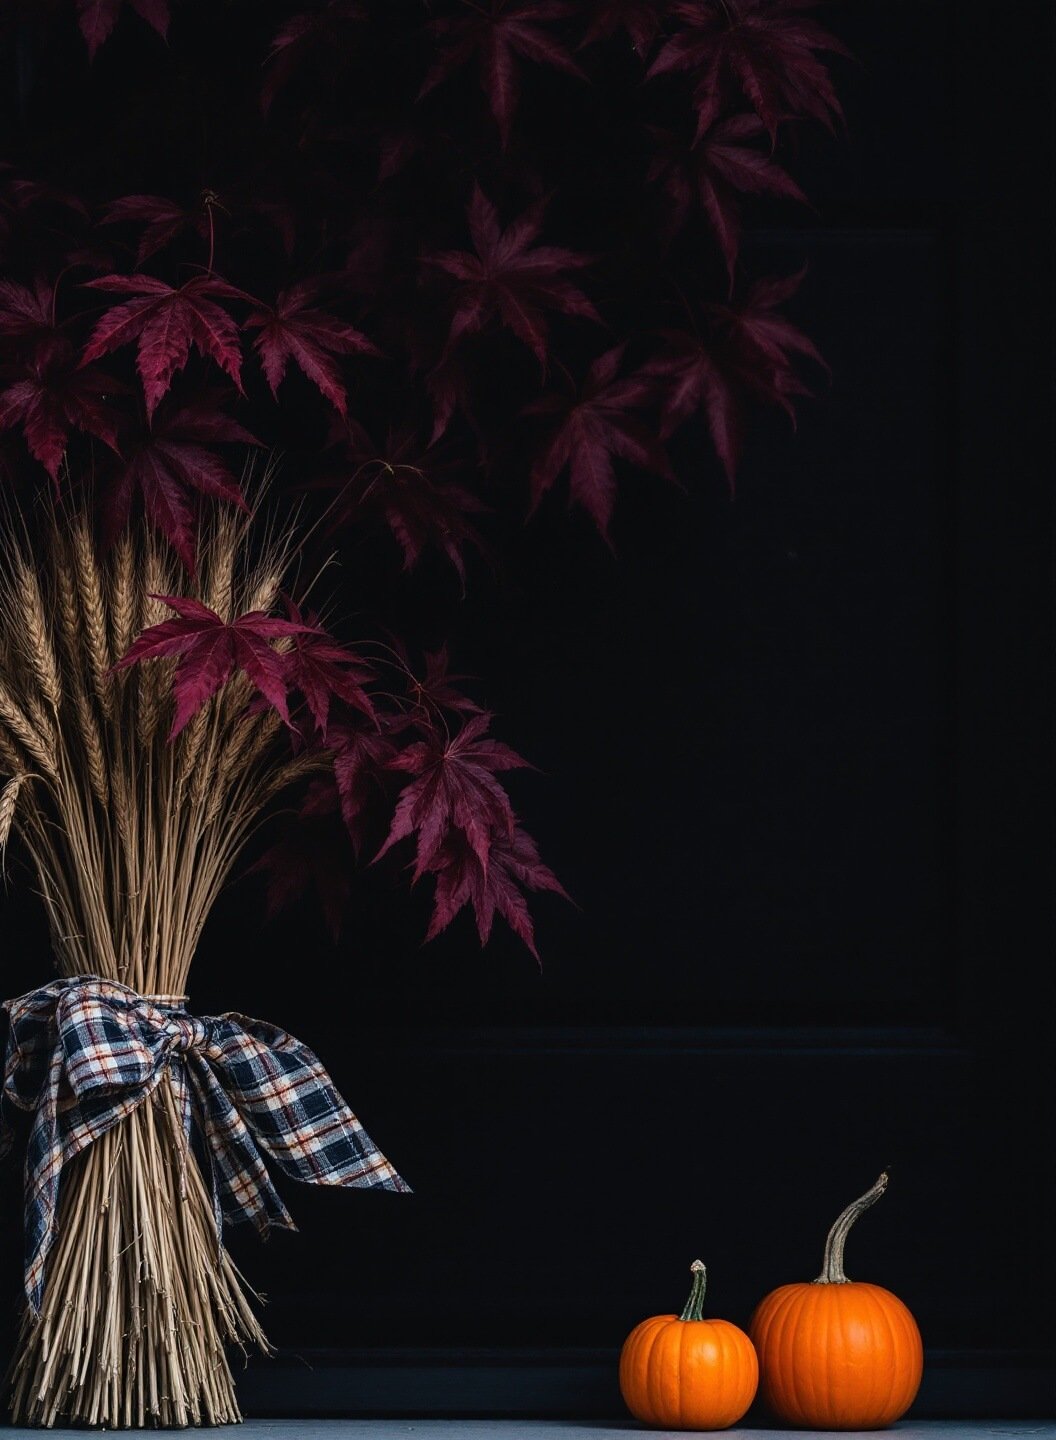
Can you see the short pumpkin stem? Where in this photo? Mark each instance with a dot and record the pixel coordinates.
(694, 1306)
(832, 1271)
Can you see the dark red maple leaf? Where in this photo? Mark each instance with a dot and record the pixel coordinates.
(322, 669)
(602, 423)
(640, 19)
(27, 312)
(163, 220)
(400, 141)
(514, 866)
(310, 857)
(167, 463)
(499, 35)
(450, 388)
(97, 19)
(768, 50)
(438, 688)
(294, 329)
(53, 396)
(317, 43)
(167, 322)
(362, 755)
(751, 347)
(764, 345)
(511, 278)
(454, 790)
(722, 165)
(23, 197)
(404, 482)
(690, 378)
(210, 651)
(42, 227)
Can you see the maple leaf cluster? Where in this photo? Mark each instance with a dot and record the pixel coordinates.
(448, 260)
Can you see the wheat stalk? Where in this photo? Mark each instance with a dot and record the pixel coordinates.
(35, 637)
(8, 803)
(20, 729)
(91, 741)
(9, 759)
(93, 613)
(123, 598)
(153, 678)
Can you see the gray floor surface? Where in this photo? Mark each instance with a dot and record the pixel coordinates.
(576, 1430)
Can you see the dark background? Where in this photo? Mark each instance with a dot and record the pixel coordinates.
(796, 775)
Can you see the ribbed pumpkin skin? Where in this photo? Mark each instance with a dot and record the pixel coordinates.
(688, 1374)
(837, 1357)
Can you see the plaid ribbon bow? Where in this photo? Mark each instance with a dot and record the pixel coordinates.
(82, 1053)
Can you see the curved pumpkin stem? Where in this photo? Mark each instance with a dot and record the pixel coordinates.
(694, 1306)
(832, 1271)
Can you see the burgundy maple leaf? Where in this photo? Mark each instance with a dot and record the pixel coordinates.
(97, 18)
(26, 312)
(751, 347)
(438, 687)
(53, 396)
(322, 669)
(764, 345)
(690, 377)
(511, 278)
(768, 50)
(294, 329)
(454, 790)
(722, 165)
(640, 19)
(163, 220)
(170, 461)
(499, 35)
(210, 651)
(317, 41)
(310, 857)
(167, 322)
(362, 755)
(605, 421)
(404, 482)
(514, 866)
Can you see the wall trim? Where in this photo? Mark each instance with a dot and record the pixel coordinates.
(581, 1384)
(828, 1041)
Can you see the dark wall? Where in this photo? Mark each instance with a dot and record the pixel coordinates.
(795, 755)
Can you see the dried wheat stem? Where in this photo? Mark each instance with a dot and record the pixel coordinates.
(92, 741)
(8, 804)
(124, 601)
(19, 728)
(34, 635)
(93, 613)
(9, 757)
(153, 678)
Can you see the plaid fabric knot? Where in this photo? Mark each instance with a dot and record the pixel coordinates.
(82, 1053)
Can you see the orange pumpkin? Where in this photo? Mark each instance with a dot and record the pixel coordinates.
(683, 1372)
(838, 1354)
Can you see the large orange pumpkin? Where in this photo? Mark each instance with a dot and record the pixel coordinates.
(838, 1354)
(683, 1372)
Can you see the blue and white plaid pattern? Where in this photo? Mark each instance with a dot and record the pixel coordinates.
(82, 1053)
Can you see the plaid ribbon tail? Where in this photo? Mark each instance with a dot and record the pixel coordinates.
(83, 1053)
(242, 1187)
(281, 1089)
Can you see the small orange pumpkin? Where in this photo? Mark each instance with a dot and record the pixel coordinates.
(683, 1372)
(838, 1354)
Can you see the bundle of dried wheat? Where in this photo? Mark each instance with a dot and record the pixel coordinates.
(131, 839)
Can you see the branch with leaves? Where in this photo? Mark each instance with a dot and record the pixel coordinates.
(450, 260)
